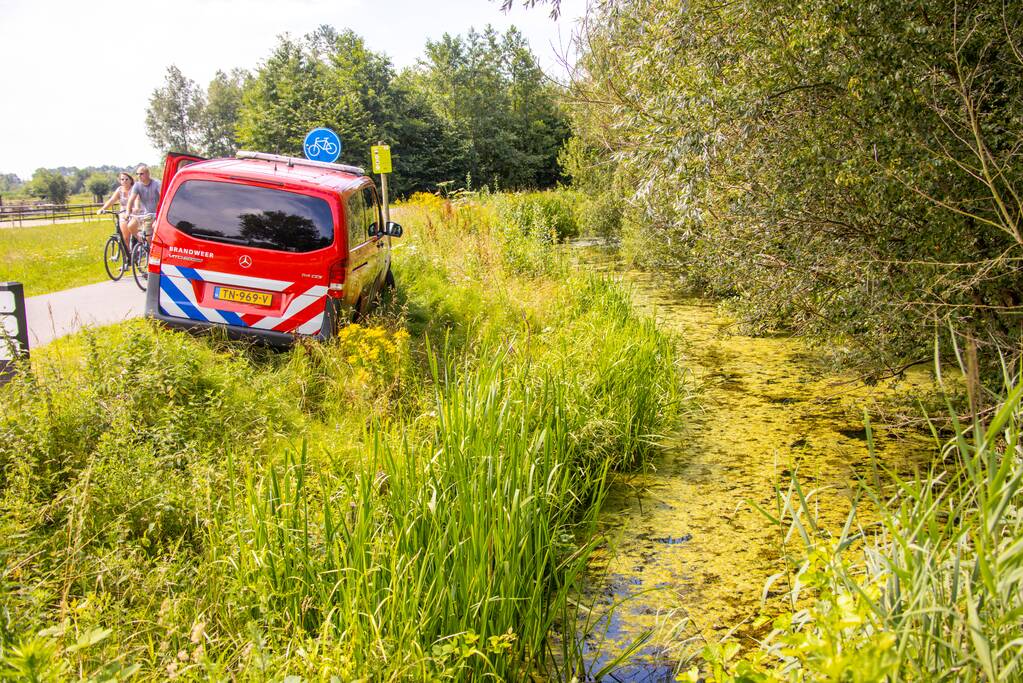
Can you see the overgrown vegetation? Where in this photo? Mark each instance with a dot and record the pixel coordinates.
(847, 170)
(410, 501)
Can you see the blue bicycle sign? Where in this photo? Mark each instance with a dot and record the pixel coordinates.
(322, 144)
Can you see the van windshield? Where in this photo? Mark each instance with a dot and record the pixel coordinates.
(251, 216)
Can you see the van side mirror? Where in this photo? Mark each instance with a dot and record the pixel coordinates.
(393, 229)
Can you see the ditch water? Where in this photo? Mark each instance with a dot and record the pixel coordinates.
(688, 555)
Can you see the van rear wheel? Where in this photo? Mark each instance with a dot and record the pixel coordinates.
(357, 311)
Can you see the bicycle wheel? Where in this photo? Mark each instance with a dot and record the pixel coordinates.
(114, 258)
(140, 265)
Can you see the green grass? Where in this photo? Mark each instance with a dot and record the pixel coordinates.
(409, 502)
(49, 258)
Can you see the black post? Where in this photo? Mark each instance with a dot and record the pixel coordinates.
(13, 329)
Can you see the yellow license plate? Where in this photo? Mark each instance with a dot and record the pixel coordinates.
(243, 296)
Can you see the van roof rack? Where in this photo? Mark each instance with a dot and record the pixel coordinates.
(298, 161)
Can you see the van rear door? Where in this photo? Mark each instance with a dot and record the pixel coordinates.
(174, 162)
(247, 254)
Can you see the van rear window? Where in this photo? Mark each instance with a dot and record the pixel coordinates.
(251, 216)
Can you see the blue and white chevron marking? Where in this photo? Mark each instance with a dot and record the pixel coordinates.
(177, 298)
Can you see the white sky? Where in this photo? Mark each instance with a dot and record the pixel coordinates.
(76, 76)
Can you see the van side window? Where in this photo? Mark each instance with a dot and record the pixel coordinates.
(372, 211)
(356, 220)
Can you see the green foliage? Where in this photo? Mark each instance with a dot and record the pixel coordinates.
(220, 113)
(100, 184)
(383, 506)
(328, 79)
(49, 185)
(182, 118)
(476, 108)
(551, 213)
(10, 183)
(174, 115)
(75, 179)
(842, 169)
(530, 223)
(332, 79)
(600, 215)
(489, 88)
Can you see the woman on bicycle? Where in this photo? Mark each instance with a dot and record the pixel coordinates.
(120, 195)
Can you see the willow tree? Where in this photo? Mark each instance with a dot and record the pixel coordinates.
(843, 168)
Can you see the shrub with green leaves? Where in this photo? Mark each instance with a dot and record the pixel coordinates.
(844, 169)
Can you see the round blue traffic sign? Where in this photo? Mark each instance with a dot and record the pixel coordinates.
(322, 144)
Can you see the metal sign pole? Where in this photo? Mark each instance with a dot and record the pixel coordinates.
(13, 329)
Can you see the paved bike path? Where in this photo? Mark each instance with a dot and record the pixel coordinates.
(61, 313)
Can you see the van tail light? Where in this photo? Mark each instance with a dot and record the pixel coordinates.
(336, 279)
(155, 256)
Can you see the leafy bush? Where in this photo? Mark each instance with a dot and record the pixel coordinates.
(842, 169)
(549, 215)
(600, 215)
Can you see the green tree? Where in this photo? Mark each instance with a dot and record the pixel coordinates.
(477, 108)
(99, 184)
(489, 88)
(10, 182)
(331, 79)
(843, 169)
(219, 117)
(175, 114)
(49, 185)
(426, 150)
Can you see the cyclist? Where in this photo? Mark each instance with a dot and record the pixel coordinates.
(145, 193)
(120, 195)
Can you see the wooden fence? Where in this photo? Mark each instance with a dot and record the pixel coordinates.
(20, 214)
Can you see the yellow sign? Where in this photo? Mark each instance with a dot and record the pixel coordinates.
(381, 158)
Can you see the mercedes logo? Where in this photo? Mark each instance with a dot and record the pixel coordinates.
(245, 261)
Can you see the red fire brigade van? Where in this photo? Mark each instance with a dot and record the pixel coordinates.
(266, 246)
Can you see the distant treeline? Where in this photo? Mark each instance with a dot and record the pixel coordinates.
(55, 185)
(475, 111)
(846, 169)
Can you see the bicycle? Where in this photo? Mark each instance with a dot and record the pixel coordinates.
(319, 144)
(115, 251)
(140, 260)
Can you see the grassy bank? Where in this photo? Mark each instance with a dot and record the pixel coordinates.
(49, 258)
(409, 502)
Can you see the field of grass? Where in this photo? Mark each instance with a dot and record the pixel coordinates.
(409, 502)
(48, 258)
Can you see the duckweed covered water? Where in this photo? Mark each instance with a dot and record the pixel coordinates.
(689, 555)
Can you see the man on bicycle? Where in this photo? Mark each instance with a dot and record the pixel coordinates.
(146, 192)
